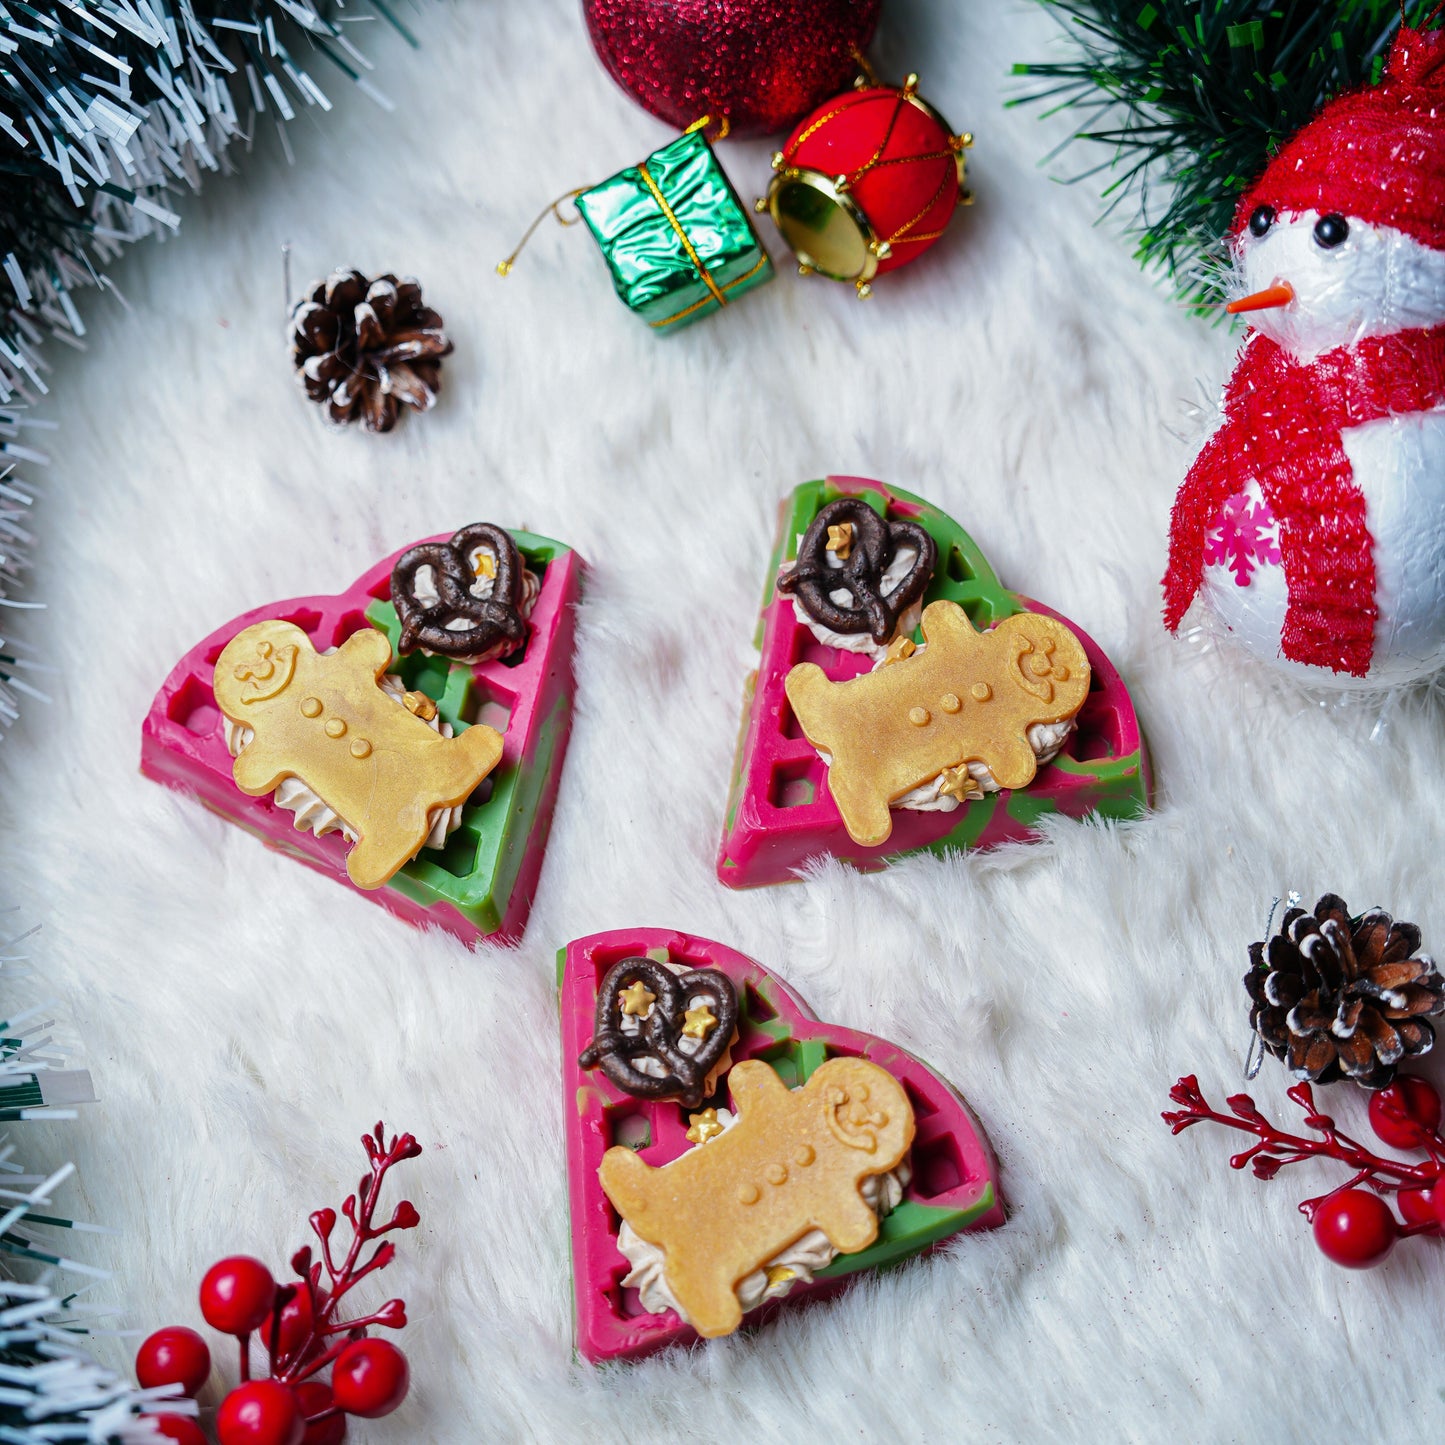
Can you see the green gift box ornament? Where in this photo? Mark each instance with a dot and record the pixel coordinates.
(676, 238)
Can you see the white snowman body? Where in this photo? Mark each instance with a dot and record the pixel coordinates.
(1372, 281)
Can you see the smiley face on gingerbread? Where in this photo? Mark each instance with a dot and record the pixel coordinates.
(325, 721)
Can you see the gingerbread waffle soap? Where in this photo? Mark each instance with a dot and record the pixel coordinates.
(405, 736)
(730, 1155)
(905, 700)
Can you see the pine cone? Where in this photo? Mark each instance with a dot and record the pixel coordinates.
(367, 348)
(1341, 997)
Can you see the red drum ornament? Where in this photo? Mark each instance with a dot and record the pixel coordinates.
(867, 183)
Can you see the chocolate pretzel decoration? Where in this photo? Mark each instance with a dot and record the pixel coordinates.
(684, 1075)
(490, 621)
(875, 542)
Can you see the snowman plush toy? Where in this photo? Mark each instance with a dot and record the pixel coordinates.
(1312, 523)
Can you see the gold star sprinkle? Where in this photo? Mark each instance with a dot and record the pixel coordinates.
(637, 999)
(703, 1126)
(485, 566)
(698, 1022)
(899, 649)
(840, 540)
(420, 704)
(957, 783)
(780, 1274)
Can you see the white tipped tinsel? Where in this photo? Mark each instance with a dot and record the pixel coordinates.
(107, 112)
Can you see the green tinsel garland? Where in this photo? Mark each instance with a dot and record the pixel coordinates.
(1193, 96)
(50, 1388)
(108, 110)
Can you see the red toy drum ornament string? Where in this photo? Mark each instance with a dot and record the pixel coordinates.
(867, 183)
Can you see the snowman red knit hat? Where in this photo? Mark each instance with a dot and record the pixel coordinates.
(1376, 154)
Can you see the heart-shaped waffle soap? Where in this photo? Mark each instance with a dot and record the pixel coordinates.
(516, 708)
(804, 1116)
(781, 811)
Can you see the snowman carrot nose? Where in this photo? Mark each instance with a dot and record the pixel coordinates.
(1280, 294)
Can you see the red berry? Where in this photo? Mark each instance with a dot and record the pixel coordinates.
(1407, 1113)
(316, 1397)
(173, 1356)
(370, 1378)
(181, 1428)
(297, 1317)
(260, 1412)
(237, 1294)
(1355, 1228)
(1419, 1205)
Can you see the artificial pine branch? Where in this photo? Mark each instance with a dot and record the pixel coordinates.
(1192, 97)
(50, 1388)
(110, 109)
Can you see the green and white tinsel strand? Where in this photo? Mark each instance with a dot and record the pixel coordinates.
(1189, 98)
(109, 111)
(51, 1390)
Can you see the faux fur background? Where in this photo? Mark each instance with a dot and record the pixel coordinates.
(246, 1019)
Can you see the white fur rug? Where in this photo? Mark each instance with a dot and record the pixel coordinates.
(246, 1019)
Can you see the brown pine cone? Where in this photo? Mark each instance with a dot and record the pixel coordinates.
(367, 348)
(1340, 997)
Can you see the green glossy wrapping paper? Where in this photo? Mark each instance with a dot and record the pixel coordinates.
(678, 241)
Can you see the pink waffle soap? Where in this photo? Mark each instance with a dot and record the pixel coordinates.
(729, 1154)
(856, 744)
(405, 736)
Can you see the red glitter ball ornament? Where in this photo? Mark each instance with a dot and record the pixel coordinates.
(759, 63)
(867, 183)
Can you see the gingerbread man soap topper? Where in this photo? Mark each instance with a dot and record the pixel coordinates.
(325, 721)
(932, 713)
(793, 1161)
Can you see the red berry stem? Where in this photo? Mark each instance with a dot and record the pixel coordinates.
(309, 1357)
(1276, 1148)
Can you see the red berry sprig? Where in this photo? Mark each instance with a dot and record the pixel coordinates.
(302, 1329)
(1353, 1225)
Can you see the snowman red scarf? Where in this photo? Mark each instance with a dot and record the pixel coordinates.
(1282, 425)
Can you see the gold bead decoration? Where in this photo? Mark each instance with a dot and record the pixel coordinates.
(335, 727)
(311, 707)
(919, 716)
(360, 748)
(950, 702)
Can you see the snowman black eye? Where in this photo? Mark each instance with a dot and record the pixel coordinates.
(1260, 220)
(1331, 230)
